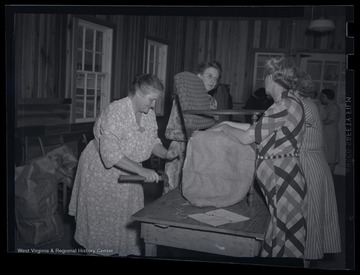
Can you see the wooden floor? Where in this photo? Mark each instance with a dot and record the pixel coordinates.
(151, 191)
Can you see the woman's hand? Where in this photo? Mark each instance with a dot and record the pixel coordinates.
(149, 175)
(171, 154)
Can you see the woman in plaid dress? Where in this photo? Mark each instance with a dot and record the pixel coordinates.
(278, 135)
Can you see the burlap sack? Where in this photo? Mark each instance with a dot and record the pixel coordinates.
(218, 171)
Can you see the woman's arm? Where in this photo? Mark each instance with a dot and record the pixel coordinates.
(130, 166)
(160, 151)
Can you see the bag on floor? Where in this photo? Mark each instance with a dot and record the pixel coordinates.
(65, 163)
(36, 201)
(218, 171)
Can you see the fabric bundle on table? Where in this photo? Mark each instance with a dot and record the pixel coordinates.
(218, 171)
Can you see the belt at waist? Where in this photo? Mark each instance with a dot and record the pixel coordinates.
(278, 156)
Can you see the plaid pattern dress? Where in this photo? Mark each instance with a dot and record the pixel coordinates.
(278, 134)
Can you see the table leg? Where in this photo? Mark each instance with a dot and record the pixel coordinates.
(150, 250)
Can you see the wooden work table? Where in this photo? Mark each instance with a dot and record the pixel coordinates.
(165, 222)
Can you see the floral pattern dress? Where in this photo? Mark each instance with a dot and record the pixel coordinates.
(103, 207)
(278, 134)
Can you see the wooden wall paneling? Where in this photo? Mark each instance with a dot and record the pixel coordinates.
(295, 33)
(189, 55)
(339, 35)
(27, 62)
(221, 51)
(118, 65)
(331, 40)
(242, 63)
(72, 60)
(62, 56)
(310, 39)
(219, 44)
(130, 61)
(214, 36)
(256, 33)
(202, 41)
(253, 30)
(43, 112)
(18, 76)
(39, 34)
(139, 44)
(209, 39)
(56, 34)
(49, 58)
(302, 36)
(273, 34)
(285, 31)
(69, 62)
(233, 58)
(324, 41)
(263, 33)
(125, 57)
(195, 46)
(226, 52)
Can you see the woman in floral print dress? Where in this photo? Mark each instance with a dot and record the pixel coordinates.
(278, 135)
(125, 135)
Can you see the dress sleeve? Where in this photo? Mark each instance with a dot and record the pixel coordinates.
(269, 122)
(111, 140)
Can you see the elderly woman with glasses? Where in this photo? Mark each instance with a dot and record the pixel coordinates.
(209, 73)
(277, 136)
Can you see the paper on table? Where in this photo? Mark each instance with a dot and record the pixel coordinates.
(212, 220)
(218, 217)
(227, 215)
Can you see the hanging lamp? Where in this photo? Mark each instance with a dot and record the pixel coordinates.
(320, 25)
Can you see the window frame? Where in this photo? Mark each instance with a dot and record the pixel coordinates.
(107, 65)
(257, 77)
(162, 71)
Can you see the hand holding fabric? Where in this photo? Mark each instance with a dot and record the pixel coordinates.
(171, 155)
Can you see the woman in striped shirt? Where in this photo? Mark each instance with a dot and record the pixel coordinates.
(323, 232)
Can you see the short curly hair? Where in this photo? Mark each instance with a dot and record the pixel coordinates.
(282, 70)
(145, 81)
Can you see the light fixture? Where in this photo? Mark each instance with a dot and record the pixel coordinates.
(321, 25)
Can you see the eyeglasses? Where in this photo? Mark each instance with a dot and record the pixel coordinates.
(212, 77)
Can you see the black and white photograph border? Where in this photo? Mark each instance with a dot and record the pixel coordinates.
(35, 82)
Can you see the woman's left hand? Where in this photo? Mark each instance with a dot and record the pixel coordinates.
(171, 154)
